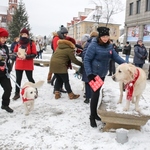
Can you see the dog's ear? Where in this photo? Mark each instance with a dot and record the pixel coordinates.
(132, 70)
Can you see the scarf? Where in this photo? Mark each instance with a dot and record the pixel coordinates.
(22, 92)
(130, 86)
(24, 42)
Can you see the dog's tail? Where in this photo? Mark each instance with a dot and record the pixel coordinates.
(34, 85)
(38, 84)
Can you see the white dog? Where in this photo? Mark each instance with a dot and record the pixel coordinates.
(29, 94)
(134, 80)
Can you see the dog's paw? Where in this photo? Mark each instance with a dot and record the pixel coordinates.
(138, 109)
(125, 109)
(26, 114)
(119, 102)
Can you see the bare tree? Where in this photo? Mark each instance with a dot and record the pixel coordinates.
(109, 7)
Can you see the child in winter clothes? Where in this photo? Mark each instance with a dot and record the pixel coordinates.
(5, 68)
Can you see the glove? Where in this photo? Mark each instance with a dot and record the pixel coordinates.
(13, 56)
(30, 56)
(143, 57)
(91, 77)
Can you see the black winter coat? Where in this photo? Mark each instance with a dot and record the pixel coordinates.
(127, 49)
(4, 60)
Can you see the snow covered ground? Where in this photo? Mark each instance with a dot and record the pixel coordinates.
(63, 124)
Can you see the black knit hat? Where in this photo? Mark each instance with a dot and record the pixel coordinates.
(103, 31)
(63, 30)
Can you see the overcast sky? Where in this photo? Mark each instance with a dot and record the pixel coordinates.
(46, 16)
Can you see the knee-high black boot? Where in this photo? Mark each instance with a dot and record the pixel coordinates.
(93, 122)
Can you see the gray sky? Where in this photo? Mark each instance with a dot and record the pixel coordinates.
(46, 16)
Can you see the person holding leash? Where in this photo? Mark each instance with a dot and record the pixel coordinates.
(5, 68)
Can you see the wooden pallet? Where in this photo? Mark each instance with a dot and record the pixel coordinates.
(115, 120)
(41, 62)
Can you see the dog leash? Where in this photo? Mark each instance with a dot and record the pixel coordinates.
(77, 75)
(9, 76)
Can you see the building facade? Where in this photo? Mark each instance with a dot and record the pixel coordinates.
(88, 21)
(6, 12)
(137, 21)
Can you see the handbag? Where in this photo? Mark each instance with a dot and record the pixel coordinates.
(95, 85)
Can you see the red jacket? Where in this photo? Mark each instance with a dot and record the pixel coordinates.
(55, 42)
(25, 64)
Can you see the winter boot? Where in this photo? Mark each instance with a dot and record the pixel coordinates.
(7, 108)
(86, 100)
(73, 96)
(57, 94)
(93, 122)
(17, 95)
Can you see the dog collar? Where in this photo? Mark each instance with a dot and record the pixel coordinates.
(22, 92)
(129, 86)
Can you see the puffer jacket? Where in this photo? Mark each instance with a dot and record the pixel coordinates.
(127, 49)
(140, 54)
(62, 56)
(4, 59)
(97, 57)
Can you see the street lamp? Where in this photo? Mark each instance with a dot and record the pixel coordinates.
(97, 15)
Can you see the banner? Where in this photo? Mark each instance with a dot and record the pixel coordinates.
(146, 33)
(133, 33)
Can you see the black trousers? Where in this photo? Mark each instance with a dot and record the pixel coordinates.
(88, 90)
(60, 79)
(19, 74)
(112, 68)
(149, 72)
(94, 101)
(6, 85)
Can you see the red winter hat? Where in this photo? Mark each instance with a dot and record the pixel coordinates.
(24, 30)
(3, 32)
(71, 40)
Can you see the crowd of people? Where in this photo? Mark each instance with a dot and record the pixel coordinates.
(98, 53)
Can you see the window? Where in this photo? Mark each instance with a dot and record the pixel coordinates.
(131, 9)
(138, 5)
(147, 5)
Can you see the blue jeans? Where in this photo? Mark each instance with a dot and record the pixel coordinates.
(127, 58)
(139, 65)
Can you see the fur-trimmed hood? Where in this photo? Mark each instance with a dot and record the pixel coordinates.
(55, 34)
(58, 33)
(65, 42)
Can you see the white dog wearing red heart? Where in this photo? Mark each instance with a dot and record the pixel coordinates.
(29, 94)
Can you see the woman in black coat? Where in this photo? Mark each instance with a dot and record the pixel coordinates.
(5, 69)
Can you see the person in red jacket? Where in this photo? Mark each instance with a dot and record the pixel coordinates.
(24, 62)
